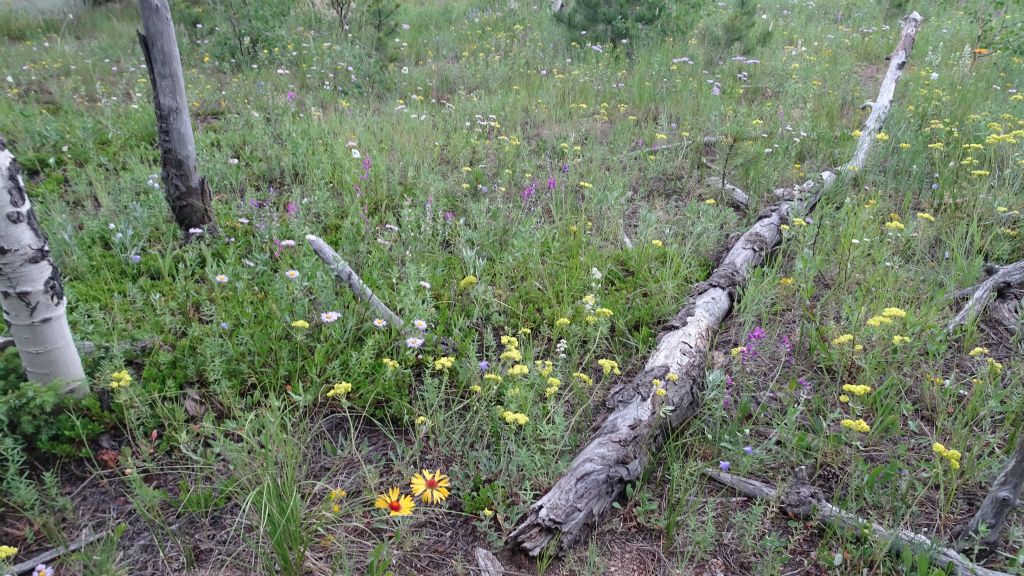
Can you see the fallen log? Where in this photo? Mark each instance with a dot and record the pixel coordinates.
(985, 527)
(1000, 278)
(639, 420)
(57, 552)
(344, 273)
(805, 502)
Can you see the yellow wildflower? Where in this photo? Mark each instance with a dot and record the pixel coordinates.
(391, 364)
(467, 282)
(785, 281)
(583, 378)
(604, 312)
(657, 243)
(510, 341)
(493, 378)
(517, 418)
(978, 351)
(300, 324)
(893, 312)
(844, 339)
(858, 425)
(7, 552)
(876, 321)
(519, 370)
(562, 322)
(512, 354)
(672, 377)
(844, 398)
(444, 363)
(120, 379)
(609, 366)
(339, 389)
(925, 216)
(898, 340)
(857, 389)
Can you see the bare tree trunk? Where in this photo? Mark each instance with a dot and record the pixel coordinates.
(1000, 501)
(187, 193)
(640, 420)
(32, 294)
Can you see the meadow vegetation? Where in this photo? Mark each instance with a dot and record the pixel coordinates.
(531, 200)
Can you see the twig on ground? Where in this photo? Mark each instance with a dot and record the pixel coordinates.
(344, 273)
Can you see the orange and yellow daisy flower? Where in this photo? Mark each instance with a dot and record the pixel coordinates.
(395, 503)
(432, 487)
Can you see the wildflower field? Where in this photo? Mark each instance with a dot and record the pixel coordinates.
(533, 201)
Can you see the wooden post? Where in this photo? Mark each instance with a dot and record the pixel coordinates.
(187, 193)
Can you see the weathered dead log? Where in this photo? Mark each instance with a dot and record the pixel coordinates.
(639, 420)
(1000, 278)
(487, 563)
(343, 272)
(1008, 311)
(1000, 501)
(736, 196)
(187, 193)
(805, 502)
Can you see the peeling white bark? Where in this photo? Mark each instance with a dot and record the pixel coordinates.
(637, 423)
(30, 289)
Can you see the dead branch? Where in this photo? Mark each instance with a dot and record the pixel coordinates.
(488, 564)
(1000, 278)
(639, 420)
(738, 197)
(803, 501)
(57, 552)
(345, 274)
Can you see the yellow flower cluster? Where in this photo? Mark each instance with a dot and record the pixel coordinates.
(339, 390)
(467, 282)
(544, 367)
(552, 389)
(953, 456)
(659, 387)
(336, 495)
(444, 363)
(897, 340)
(583, 378)
(300, 324)
(604, 313)
(120, 379)
(562, 322)
(886, 317)
(7, 552)
(856, 425)
(512, 354)
(493, 378)
(391, 364)
(857, 389)
(519, 370)
(844, 339)
(517, 418)
(925, 216)
(609, 366)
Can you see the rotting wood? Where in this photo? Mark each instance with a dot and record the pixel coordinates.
(984, 528)
(186, 191)
(50, 555)
(487, 563)
(999, 278)
(344, 273)
(639, 420)
(737, 197)
(806, 502)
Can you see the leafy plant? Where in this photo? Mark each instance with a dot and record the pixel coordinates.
(611, 20)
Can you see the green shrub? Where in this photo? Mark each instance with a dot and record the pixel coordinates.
(39, 416)
(611, 20)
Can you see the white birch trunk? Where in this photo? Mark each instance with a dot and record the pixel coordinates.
(30, 289)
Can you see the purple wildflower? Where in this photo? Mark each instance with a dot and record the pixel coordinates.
(805, 384)
(756, 334)
(449, 216)
(484, 365)
(291, 208)
(724, 465)
(291, 96)
(529, 191)
(749, 450)
(135, 258)
(552, 183)
(565, 168)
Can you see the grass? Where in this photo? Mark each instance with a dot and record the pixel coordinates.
(223, 452)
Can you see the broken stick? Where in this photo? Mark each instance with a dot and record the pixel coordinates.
(343, 272)
(639, 420)
(802, 501)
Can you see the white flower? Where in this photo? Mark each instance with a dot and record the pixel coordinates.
(288, 243)
(195, 231)
(356, 154)
(380, 322)
(596, 274)
(293, 274)
(414, 342)
(425, 284)
(419, 324)
(329, 316)
(221, 278)
(233, 161)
